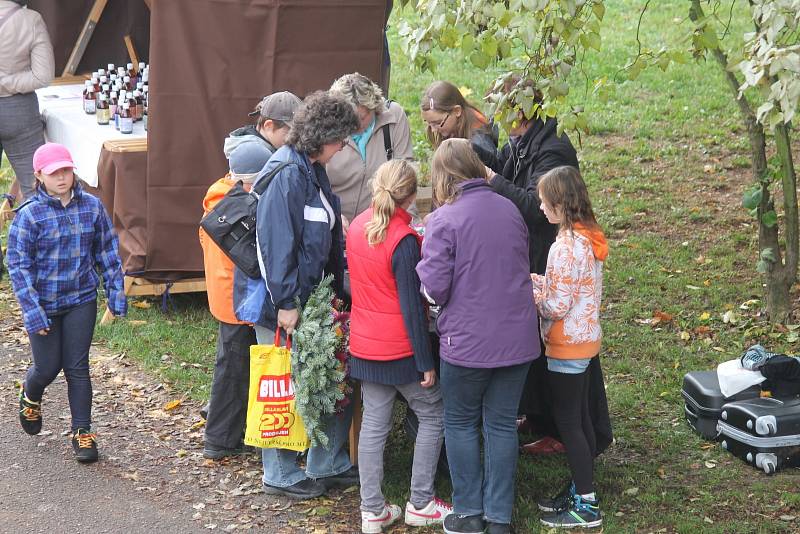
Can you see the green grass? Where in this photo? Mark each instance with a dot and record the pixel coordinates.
(666, 163)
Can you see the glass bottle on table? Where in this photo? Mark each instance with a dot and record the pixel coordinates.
(120, 100)
(126, 83)
(89, 100)
(125, 119)
(131, 100)
(102, 110)
(140, 73)
(130, 71)
(139, 114)
(112, 107)
(111, 69)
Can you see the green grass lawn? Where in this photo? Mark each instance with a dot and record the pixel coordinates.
(666, 163)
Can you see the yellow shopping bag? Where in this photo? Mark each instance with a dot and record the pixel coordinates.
(272, 421)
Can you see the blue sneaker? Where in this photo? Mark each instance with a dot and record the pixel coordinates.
(560, 502)
(580, 514)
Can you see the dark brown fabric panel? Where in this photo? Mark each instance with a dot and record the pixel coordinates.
(122, 189)
(211, 61)
(65, 19)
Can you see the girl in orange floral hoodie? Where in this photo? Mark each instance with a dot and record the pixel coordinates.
(568, 301)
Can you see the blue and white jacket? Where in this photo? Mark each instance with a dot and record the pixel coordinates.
(299, 237)
(53, 251)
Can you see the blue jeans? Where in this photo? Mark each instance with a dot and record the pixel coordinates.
(65, 347)
(280, 465)
(491, 397)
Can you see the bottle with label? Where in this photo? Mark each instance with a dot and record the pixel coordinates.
(121, 72)
(89, 100)
(142, 66)
(139, 110)
(126, 83)
(130, 71)
(111, 69)
(112, 107)
(102, 110)
(96, 84)
(125, 119)
(112, 80)
(131, 100)
(120, 100)
(106, 90)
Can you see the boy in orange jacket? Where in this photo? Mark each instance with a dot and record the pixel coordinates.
(227, 410)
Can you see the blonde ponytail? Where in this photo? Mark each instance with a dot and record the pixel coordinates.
(394, 183)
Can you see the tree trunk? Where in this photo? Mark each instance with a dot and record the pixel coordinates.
(779, 277)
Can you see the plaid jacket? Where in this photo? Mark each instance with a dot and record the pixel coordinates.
(52, 254)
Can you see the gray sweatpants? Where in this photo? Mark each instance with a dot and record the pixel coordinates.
(376, 423)
(21, 133)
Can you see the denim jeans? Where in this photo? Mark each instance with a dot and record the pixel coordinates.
(21, 133)
(280, 465)
(65, 347)
(487, 400)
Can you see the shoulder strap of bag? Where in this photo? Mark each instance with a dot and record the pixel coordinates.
(264, 182)
(14, 9)
(387, 142)
(387, 137)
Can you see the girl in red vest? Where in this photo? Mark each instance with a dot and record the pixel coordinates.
(390, 348)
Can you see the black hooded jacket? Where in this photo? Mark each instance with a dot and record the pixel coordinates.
(519, 166)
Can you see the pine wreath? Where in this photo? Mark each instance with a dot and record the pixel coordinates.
(317, 374)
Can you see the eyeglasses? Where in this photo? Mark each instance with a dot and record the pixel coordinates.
(442, 123)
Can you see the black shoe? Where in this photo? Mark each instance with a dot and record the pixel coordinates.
(305, 489)
(498, 528)
(84, 443)
(30, 414)
(204, 411)
(463, 524)
(212, 452)
(342, 480)
(560, 502)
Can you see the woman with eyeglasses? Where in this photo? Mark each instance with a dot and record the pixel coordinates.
(447, 115)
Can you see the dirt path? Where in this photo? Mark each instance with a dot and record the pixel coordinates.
(151, 476)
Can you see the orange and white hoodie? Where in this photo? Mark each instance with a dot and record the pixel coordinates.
(568, 295)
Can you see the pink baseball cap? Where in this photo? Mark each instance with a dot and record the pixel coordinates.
(51, 157)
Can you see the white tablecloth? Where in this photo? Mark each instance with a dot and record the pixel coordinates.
(66, 123)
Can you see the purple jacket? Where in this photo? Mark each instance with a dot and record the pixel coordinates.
(475, 265)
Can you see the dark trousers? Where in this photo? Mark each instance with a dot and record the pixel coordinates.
(573, 419)
(21, 133)
(65, 347)
(227, 411)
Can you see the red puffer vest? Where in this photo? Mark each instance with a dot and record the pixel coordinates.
(377, 331)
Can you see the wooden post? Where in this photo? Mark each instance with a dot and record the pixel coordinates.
(132, 53)
(355, 427)
(84, 37)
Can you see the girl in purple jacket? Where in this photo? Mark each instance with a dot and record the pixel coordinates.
(475, 266)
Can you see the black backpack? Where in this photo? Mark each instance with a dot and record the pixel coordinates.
(232, 223)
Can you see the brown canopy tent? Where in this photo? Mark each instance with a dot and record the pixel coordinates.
(211, 61)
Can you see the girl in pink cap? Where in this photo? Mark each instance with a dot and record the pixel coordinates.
(58, 240)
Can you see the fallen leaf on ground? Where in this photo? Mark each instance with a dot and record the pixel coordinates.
(171, 405)
(141, 304)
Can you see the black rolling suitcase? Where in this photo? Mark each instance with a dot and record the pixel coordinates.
(763, 432)
(704, 400)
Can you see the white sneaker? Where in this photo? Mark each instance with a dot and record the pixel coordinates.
(433, 514)
(374, 523)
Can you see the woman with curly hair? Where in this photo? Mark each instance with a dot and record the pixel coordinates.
(299, 238)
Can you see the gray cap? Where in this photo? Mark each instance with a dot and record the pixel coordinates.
(248, 158)
(278, 106)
